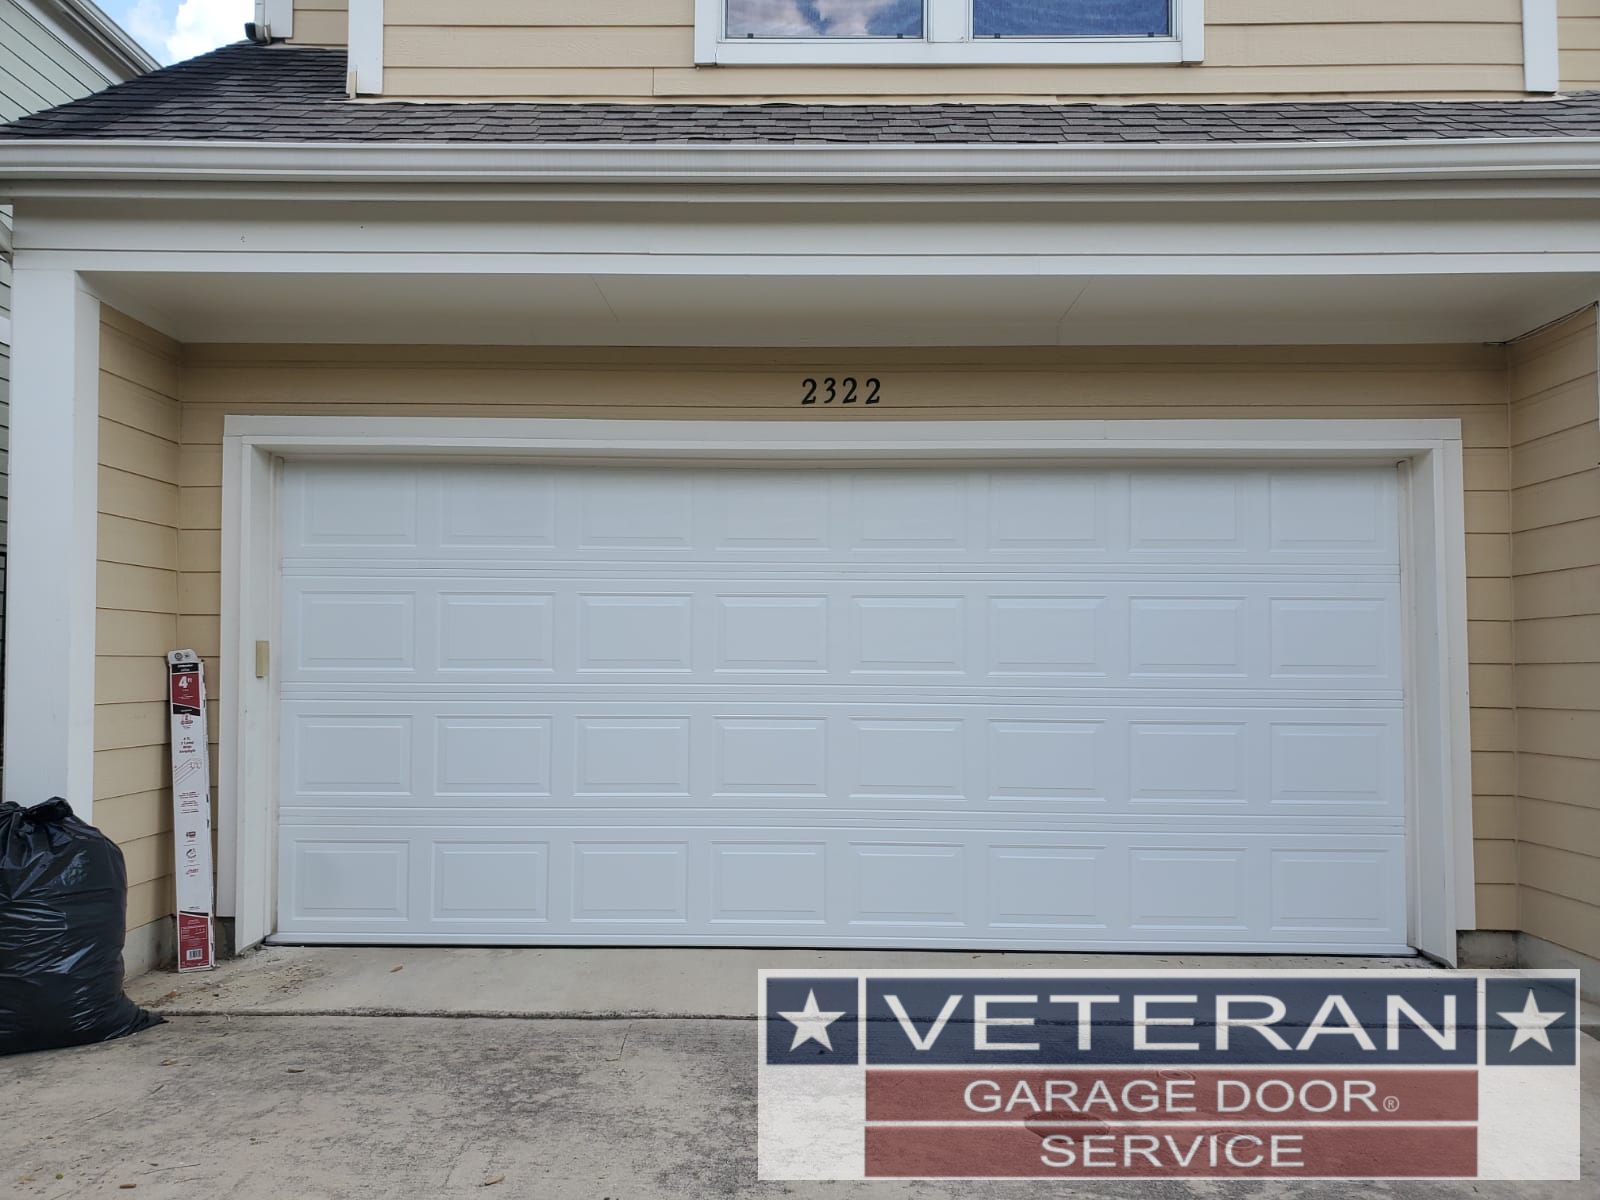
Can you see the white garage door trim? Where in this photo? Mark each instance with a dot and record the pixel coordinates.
(1438, 816)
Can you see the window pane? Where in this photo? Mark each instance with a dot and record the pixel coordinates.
(1071, 18)
(824, 18)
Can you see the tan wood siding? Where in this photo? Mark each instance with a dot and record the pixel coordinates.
(1464, 382)
(137, 598)
(1580, 44)
(643, 49)
(1555, 555)
(320, 22)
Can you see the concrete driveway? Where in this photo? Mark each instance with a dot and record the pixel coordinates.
(254, 1100)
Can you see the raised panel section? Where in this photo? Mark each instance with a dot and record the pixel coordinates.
(896, 510)
(1046, 760)
(1054, 510)
(909, 885)
(1188, 762)
(1332, 512)
(493, 756)
(1182, 888)
(1332, 890)
(356, 631)
(496, 633)
(772, 633)
(910, 758)
(350, 756)
(635, 511)
(918, 634)
(506, 507)
(491, 881)
(635, 633)
(357, 506)
(771, 757)
(1331, 638)
(645, 882)
(1047, 635)
(1187, 511)
(349, 880)
(1343, 765)
(764, 883)
(632, 756)
(1189, 636)
(772, 511)
(1050, 887)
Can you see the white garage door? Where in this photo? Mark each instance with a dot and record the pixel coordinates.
(1066, 707)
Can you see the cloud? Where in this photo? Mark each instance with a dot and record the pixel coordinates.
(174, 30)
(202, 25)
(820, 18)
(150, 23)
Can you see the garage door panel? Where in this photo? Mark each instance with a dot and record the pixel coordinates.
(876, 886)
(1076, 706)
(1085, 515)
(1336, 637)
(1103, 758)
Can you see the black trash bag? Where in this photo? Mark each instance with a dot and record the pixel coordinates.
(63, 904)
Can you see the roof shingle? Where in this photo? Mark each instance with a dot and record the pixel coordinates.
(287, 95)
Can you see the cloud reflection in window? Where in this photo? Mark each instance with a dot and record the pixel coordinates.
(824, 18)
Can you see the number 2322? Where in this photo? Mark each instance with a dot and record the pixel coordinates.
(840, 391)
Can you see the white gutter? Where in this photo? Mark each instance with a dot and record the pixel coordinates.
(29, 166)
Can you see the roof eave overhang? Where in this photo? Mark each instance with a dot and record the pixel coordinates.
(96, 35)
(31, 167)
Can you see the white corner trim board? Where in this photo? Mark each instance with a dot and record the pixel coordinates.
(50, 577)
(1438, 866)
(948, 41)
(278, 16)
(366, 47)
(1541, 46)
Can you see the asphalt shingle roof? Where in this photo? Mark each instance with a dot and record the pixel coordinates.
(283, 94)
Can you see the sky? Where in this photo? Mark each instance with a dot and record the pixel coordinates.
(174, 30)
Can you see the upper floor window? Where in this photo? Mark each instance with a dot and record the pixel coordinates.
(948, 32)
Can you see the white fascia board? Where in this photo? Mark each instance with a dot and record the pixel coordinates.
(94, 36)
(1541, 46)
(31, 167)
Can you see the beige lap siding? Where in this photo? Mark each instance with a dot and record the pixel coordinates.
(1319, 382)
(1257, 32)
(1555, 510)
(137, 598)
(320, 22)
(644, 49)
(1580, 44)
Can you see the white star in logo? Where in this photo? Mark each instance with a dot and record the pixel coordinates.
(810, 1023)
(1531, 1023)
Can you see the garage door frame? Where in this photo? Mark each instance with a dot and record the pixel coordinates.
(1433, 570)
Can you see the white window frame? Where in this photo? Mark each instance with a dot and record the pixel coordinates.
(948, 41)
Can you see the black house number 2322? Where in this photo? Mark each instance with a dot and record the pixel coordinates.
(849, 390)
